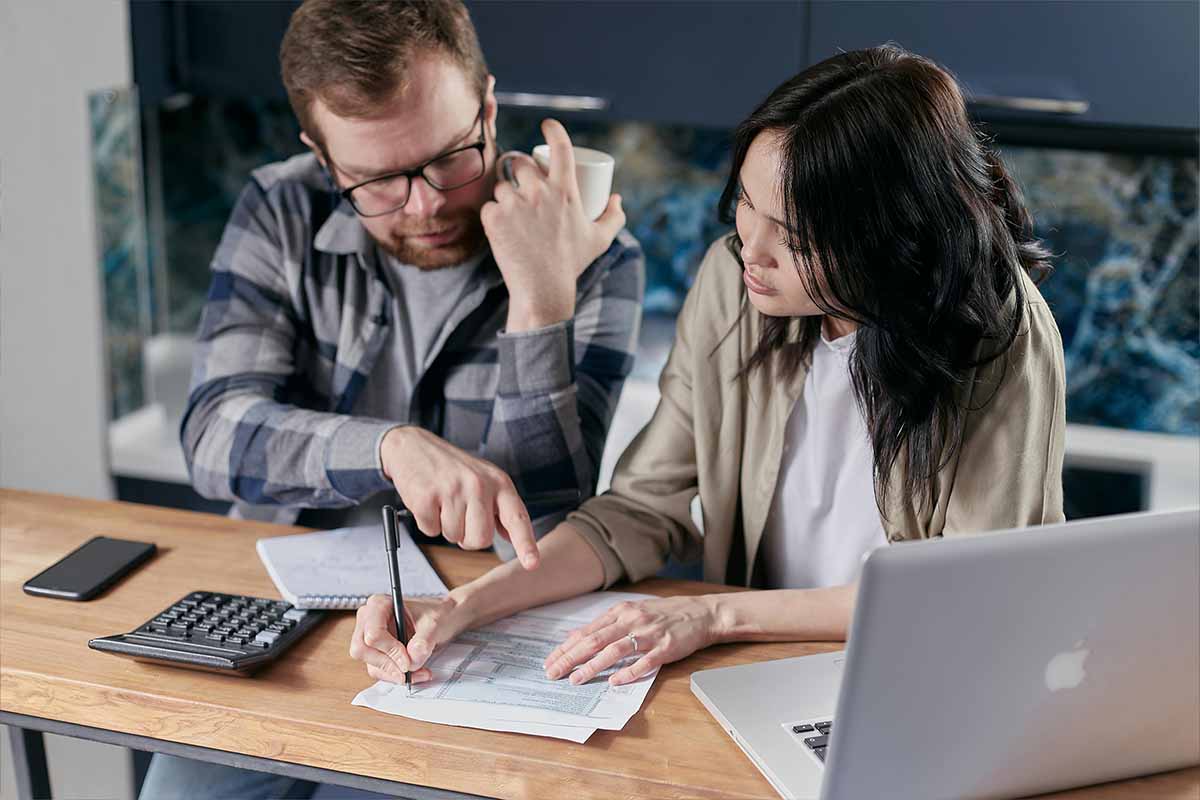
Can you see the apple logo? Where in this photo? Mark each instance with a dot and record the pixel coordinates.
(1065, 670)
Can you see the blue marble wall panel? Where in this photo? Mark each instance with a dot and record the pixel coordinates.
(1126, 286)
(669, 179)
(207, 151)
(1124, 227)
(121, 240)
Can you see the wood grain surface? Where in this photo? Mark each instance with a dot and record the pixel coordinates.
(298, 710)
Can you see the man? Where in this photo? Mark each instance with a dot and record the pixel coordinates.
(384, 319)
(366, 343)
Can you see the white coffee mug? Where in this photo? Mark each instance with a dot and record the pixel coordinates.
(593, 173)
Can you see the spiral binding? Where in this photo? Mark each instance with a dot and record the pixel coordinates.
(338, 601)
(331, 601)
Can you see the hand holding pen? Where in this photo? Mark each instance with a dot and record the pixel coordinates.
(385, 637)
(392, 545)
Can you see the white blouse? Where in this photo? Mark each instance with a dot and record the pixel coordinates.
(823, 517)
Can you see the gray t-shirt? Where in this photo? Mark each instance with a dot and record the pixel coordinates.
(422, 302)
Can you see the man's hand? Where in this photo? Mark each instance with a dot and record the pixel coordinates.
(540, 237)
(432, 622)
(454, 494)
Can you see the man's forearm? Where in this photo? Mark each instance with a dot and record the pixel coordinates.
(569, 567)
(560, 379)
(524, 317)
(813, 615)
(536, 433)
(317, 459)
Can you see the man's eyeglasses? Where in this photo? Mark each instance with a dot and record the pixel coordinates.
(450, 170)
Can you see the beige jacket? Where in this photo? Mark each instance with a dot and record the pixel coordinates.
(723, 439)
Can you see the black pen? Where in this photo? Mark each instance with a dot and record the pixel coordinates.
(391, 542)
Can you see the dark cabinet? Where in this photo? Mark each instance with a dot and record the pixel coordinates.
(232, 48)
(708, 62)
(217, 48)
(1114, 62)
(701, 62)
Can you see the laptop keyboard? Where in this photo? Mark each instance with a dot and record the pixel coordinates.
(813, 734)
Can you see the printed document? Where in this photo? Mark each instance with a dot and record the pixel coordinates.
(492, 678)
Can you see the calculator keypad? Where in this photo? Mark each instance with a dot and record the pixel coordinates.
(233, 620)
(226, 633)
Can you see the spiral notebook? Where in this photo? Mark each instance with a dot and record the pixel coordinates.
(343, 567)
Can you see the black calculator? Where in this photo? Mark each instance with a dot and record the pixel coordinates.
(228, 633)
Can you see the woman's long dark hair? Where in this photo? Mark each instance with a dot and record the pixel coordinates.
(903, 221)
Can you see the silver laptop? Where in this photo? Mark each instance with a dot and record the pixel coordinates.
(999, 665)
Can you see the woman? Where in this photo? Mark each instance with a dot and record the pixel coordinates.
(865, 360)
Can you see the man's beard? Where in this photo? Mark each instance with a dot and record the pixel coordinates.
(467, 244)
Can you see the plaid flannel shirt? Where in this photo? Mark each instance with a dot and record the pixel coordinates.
(297, 314)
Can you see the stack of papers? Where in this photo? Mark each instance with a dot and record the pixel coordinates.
(492, 678)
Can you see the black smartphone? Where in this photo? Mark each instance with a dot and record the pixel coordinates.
(89, 569)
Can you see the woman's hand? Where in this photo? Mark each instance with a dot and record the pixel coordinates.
(434, 621)
(666, 629)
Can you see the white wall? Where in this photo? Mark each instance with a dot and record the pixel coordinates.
(53, 397)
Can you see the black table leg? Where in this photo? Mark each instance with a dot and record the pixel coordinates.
(141, 764)
(29, 763)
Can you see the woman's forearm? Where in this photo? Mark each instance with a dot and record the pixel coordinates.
(568, 567)
(817, 615)
(666, 629)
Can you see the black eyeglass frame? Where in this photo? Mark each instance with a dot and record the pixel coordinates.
(419, 171)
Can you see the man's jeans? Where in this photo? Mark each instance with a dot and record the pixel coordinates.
(175, 778)
(172, 777)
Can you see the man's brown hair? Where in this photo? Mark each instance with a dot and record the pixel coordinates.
(353, 54)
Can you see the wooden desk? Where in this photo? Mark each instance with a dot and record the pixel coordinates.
(295, 718)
